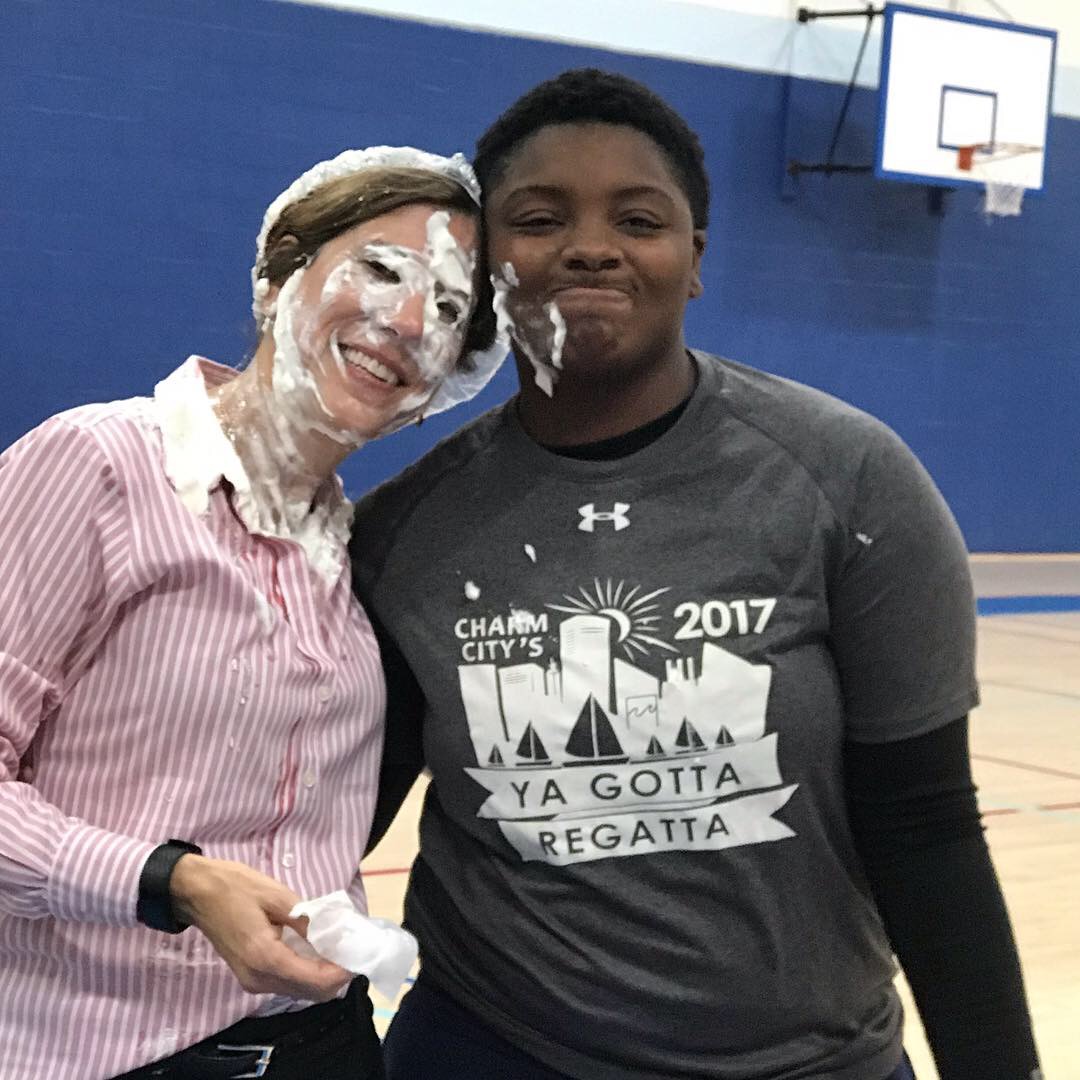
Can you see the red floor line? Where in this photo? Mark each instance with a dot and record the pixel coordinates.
(1044, 808)
(1029, 768)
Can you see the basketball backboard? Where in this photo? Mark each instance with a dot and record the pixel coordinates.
(955, 87)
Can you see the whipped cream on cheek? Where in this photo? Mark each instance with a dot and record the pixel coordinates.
(299, 405)
(274, 489)
(538, 329)
(442, 274)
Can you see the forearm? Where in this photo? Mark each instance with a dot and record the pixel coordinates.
(916, 823)
(946, 918)
(52, 865)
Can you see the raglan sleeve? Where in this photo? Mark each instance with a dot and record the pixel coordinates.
(901, 603)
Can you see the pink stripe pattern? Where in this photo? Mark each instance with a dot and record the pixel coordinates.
(162, 674)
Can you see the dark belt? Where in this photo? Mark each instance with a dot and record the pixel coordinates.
(247, 1048)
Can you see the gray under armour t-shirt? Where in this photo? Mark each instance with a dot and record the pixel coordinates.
(639, 676)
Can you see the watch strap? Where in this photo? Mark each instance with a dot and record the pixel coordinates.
(154, 907)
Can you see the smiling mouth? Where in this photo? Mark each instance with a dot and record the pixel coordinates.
(355, 357)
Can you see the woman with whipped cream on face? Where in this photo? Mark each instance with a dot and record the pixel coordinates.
(191, 701)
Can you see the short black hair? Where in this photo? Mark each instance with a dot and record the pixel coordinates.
(588, 95)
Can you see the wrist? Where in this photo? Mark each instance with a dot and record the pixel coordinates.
(160, 906)
(187, 884)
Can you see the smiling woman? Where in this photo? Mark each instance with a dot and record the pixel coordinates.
(181, 654)
(365, 286)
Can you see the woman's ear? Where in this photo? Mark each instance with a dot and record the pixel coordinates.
(266, 306)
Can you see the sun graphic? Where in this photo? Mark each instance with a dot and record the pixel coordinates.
(632, 614)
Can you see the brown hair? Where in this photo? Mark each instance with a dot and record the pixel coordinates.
(339, 205)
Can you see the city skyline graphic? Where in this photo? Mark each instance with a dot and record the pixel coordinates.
(585, 754)
(587, 704)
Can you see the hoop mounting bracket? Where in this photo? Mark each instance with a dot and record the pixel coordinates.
(805, 15)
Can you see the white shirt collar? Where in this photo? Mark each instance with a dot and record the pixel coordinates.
(199, 456)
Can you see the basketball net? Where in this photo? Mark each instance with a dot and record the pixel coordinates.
(1001, 198)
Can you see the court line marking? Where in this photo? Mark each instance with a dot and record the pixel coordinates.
(1045, 770)
(1056, 812)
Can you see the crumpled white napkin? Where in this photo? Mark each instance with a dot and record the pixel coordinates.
(337, 931)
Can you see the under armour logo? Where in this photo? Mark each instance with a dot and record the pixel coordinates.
(590, 516)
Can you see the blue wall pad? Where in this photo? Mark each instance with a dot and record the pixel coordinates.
(142, 142)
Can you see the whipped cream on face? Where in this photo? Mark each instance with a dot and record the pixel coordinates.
(468, 379)
(375, 282)
(539, 331)
(348, 163)
(380, 279)
(558, 335)
(269, 420)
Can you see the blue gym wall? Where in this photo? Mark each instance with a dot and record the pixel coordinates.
(139, 144)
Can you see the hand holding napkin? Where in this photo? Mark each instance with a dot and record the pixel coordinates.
(337, 931)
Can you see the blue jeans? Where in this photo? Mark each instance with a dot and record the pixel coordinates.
(434, 1038)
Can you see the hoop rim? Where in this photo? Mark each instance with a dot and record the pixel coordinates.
(990, 152)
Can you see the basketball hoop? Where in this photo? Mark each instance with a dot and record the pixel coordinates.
(1002, 196)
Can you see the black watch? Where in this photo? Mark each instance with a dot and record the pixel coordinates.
(154, 907)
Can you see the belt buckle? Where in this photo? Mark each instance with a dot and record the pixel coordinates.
(265, 1053)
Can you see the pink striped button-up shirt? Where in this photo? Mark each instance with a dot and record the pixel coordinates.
(162, 673)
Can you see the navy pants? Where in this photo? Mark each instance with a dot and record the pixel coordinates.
(434, 1038)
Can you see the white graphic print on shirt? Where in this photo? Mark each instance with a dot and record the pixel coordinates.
(587, 754)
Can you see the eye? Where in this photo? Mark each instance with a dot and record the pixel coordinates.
(449, 312)
(538, 221)
(640, 223)
(381, 271)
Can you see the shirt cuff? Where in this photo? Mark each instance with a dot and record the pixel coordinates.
(95, 877)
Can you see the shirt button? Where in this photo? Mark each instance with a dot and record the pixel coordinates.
(324, 693)
(308, 778)
(288, 860)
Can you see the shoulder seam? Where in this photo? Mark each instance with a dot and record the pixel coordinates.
(776, 440)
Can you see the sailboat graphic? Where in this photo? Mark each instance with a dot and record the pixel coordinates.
(655, 748)
(531, 750)
(593, 739)
(688, 740)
